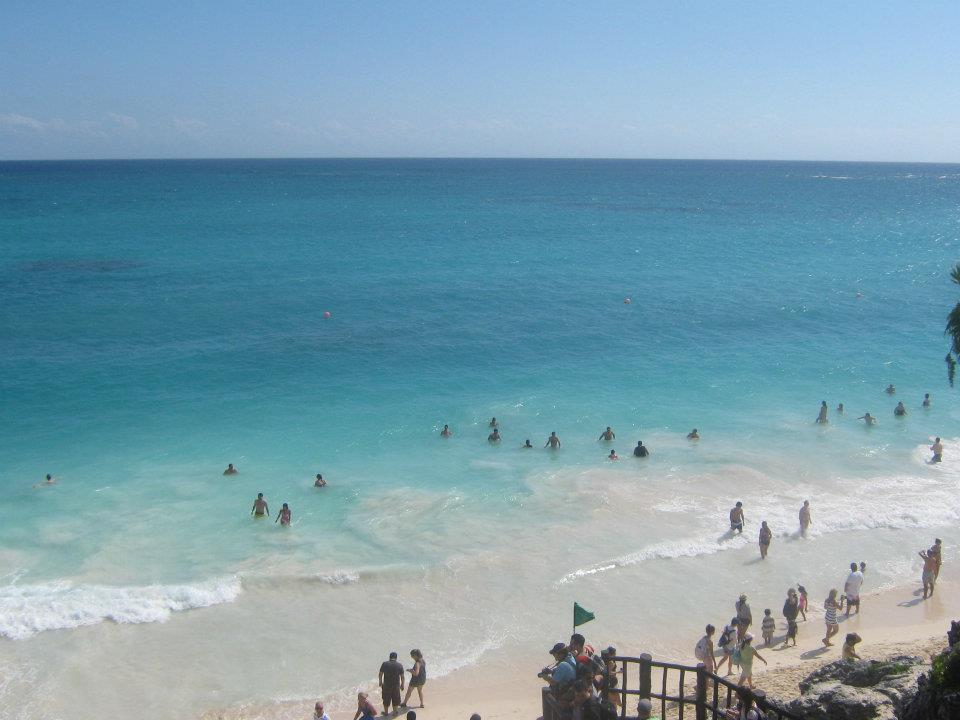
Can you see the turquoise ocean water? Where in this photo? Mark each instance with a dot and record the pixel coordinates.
(161, 319)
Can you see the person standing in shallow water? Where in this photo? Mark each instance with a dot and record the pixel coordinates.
(693, 435)
(766, 535)
(840, 409)
(926, 400)
(284, 516)
(494, 437)
(607, 435)
(937, 450)
(446, 432)
(319, 482)
(869, 419)
(640, 450)
(231, 470)
(822, 417)
(900, 410)
(553, 442)
(737, 518)
(805, 518)
(260, 508)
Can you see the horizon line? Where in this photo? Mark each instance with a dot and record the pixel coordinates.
(239, 158)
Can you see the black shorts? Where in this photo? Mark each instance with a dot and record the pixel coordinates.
(391, 696)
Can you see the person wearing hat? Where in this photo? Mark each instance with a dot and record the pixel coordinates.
(747, 653)
(565, 669)
(644, 710)
(744, 615)
(365, 708)
(318, 713)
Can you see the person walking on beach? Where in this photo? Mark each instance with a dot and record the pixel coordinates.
(766, 535)
(744, 616)
(283, 516)
(900, 410)
(494, 437)
(929, 575)
(418, 676)
(365, 708)
(390, 679)
(768, 626)
(747, 653)
(737, 518)
(802, 602)
(728, 643)
(318, 713)
(260, 508)
(319, 482)
(805, 518)
(231, 470)
(640, 450)
(790, 609)
(937, 450)
(937, 550)
(553, 442)
(851, 588)
(607, 435)
(822, 417)
(703, 650)
(445, 433)
(830, 617)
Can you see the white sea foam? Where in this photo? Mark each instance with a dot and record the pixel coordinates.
(29, 609)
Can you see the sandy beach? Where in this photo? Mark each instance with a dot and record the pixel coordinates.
(503, 684)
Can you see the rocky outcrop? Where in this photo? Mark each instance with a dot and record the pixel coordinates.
(859, 689)
(938, 691)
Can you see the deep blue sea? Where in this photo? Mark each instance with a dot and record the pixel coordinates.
(161, 319)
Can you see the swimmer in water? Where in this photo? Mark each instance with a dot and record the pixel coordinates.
(284, 516)
(607, 435)
(936, 449)
(494, 437)
(868, 419)
(446, 432)
(493, 423)
(926, 400)
(840, 409)
(553, 442)
(899, 410)
(737, 518)
(231, 470)
(822, 417)
(527, 445)
(319, 482)
(693, 435)
(640, 450)
(51, 480)
(260, 508)
(891, 390)
(613, 456)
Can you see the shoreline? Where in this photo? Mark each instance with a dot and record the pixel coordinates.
(502, 684)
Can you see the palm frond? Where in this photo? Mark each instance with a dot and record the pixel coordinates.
(955, 273)
(953, 329)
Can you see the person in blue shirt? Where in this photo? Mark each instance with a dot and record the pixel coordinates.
(566, 668)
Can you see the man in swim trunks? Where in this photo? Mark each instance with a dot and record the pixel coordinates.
(640, 450)
(553, 442)
(607, 435)
(937, 450)
(929, 575)
(391, 683)
(446, 431)
(284, 515)
(260, 508)
(231, 470)
(737, 518)
(494, 437)
(805, 518)
(851, 588)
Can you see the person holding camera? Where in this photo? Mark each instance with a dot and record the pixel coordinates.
(565, 669)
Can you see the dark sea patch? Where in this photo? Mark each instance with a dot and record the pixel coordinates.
(75, 265)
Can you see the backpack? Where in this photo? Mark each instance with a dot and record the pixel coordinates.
(724, 638)
(700, 651)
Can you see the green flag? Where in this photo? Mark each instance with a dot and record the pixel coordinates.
(581, 616)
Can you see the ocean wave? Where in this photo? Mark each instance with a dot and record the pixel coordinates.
(26, 610)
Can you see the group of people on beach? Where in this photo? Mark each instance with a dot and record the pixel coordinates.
(391, 682)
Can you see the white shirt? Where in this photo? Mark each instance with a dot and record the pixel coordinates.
(852, 587)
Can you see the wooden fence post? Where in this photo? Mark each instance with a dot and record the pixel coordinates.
(546, 705)
(645, 660)
(701, 705)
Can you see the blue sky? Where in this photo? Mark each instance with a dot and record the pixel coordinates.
(753, 80)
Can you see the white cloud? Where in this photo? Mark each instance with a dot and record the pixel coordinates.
(14, 122)
(124, 121)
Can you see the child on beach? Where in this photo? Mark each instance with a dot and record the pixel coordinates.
(747, 653)
(849, 651)
(365, 709)
(767, 627)
(802, 605)
(790, 609)
(830, 616)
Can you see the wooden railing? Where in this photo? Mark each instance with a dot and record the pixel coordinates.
(708, 697)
